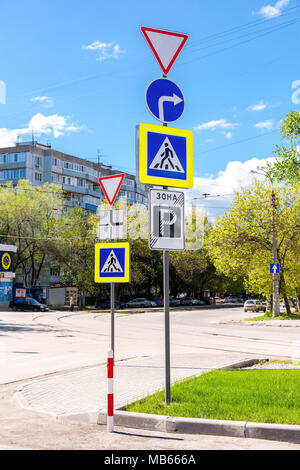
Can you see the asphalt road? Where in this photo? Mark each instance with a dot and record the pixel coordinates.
(34, 345)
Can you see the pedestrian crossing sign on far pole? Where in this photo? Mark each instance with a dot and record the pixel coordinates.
(164, 156)
(112, 262)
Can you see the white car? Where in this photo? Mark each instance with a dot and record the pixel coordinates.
(254, 305)
(140, 302)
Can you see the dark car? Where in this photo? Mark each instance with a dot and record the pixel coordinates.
(174, 302)
(207, 300)
(28, 303)
(159, 302)
(105, 304)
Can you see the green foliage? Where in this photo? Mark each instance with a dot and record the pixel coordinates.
(75, 252)
(27, 220)
(287, 164)
(241, 242)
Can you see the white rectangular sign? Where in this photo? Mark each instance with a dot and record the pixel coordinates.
(111, 224)
(166, 220)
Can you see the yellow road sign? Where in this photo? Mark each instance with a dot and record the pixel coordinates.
(165, 156)
(112, 262)
(6, 261)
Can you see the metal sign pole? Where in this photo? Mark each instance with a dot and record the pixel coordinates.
(166, 278)
(112, 312)
(167, 326)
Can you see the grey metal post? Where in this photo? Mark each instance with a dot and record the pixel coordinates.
(166, 279)
(112, 312)
(167, 326)
(276, 304)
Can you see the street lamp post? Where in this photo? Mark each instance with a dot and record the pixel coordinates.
(276, 305)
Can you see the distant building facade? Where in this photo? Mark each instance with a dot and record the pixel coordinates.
(78, 177)
(41, 164)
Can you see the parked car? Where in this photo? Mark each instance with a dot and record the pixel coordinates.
(187, 301)
(207, 300)
(232, 298)
(173, 302)
(254, 305)
(139, 302)
(105, 304)
(157, 301)
(244, 297)
(27, 303)
(198, 302)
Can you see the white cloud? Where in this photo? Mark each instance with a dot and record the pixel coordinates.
(259, 106)
(228, 135)
(268, 125)
(213, 125)
(44, 101)
(221, 188)
(107, 50)
(39, 124)
(271, 11)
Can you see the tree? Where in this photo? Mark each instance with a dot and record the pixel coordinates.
(241, 242)
(287, 164)
(74, 254)
(27, 220)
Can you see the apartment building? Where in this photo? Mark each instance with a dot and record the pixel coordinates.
(41, 164)
(78, 177)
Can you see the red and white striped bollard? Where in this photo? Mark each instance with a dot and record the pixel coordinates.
(110, 391)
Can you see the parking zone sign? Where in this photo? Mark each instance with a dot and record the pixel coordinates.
(112, 262)
(164, 156)
(166, 220)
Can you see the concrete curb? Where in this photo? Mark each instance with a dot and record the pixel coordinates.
(170, 424)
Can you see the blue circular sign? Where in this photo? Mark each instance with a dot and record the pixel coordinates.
(164, 100)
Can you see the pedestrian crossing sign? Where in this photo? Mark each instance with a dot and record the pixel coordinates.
(164, 156)
(112, 262)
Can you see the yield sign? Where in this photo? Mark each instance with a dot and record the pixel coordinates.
(111, 185)
(165, 45)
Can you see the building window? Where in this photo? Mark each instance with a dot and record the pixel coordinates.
(129, 182)
(56, 162)
(38, 176)
(12, 157)
(13, 174)
(80, 182)
(68, 165)
(56, 178)
(38, 162)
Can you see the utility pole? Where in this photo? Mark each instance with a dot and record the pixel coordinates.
(275, 303)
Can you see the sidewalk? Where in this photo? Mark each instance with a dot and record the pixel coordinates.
(85, 391)
(81, 396)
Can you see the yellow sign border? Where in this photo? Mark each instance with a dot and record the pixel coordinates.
(142, 147)
(10, 261)
(126, 277)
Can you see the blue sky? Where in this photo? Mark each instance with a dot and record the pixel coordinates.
(77, 72)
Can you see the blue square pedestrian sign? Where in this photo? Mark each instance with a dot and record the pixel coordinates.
(112, 262)
(165, 156)
(274, 268)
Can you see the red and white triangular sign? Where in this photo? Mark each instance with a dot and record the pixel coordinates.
(111, 185)
(165, 45)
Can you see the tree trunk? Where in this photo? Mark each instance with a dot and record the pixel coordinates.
(283, 286)
(83, 298)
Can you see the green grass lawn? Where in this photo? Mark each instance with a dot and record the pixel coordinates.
(282, 316)
(266, 396)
